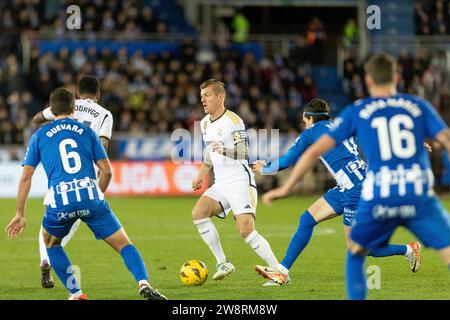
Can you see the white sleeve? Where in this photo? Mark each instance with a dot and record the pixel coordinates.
(48, 115)
(106, 126)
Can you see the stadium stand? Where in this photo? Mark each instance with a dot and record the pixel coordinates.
(432, 17)
(152, 87)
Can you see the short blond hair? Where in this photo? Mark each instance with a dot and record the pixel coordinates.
(219, 86)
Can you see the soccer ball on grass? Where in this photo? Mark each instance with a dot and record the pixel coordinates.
(193, 272)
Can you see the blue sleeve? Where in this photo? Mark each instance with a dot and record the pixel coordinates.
(344, 126)
(32, 156)
(291, 156)
(99, 150)
(433, 121)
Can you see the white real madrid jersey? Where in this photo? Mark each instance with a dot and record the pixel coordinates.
(92, 114)
(228, 129)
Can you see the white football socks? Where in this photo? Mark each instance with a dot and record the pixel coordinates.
(282, 269)
(210, 236)
(409, 250)
(262, 248)
(42, 248)
(72, 231)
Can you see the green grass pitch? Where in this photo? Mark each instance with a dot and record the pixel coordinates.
(162, 230)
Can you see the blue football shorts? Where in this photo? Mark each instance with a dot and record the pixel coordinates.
(344, 202)
(97, 215)
(375, 223)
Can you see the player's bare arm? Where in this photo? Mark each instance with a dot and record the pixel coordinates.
(39, 118)
(104, 174)
(303, 165)
(204, 169)
(105, 142)
(444, 139)
(239, 152)
(17, 224)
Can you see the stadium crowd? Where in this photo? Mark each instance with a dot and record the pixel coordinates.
(127, 17)
(424, 73)
(432, 17)
(158, 93)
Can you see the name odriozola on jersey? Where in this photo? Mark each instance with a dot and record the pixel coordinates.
(92, 114)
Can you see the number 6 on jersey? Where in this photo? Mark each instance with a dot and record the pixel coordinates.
(66, 156)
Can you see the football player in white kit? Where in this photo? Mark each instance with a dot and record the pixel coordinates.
(89, 112)
(234, 187)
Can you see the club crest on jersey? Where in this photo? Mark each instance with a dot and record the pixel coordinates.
(220, 132)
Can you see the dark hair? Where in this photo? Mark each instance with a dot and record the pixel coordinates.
(219, 86)
(317, 106)
(88, 84)
(62, 102)
(381, 68)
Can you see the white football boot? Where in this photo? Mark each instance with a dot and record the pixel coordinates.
(275, 277)
(223, 269)
(413, 257)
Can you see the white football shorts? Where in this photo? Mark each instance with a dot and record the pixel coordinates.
(238, 196)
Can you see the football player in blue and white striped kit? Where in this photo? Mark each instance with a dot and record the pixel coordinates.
(398, 189)
(68, 150)
(348, 169)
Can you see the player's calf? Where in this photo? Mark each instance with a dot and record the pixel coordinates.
(262, 248)
(135, 264)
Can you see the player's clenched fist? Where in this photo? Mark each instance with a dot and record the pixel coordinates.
(197, 183)
(258, 165)
(15, 227)
(217, 146)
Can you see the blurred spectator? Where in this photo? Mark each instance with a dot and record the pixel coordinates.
(350, 36)
(432, 17)
(316, 38)
(241, 27)
(299, 54)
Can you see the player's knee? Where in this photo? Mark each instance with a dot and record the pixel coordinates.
(47, 237)
(445, 254)
(51, 241)
(199, 213)
(355, 248)
(245, 228)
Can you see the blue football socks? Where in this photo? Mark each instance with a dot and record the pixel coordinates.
(389, 250)
(62, 266)
(134, 262)
(355, 277)
(300, 239)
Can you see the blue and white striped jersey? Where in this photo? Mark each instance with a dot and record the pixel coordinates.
(391, 132)
(343, 162)
(68, 150)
